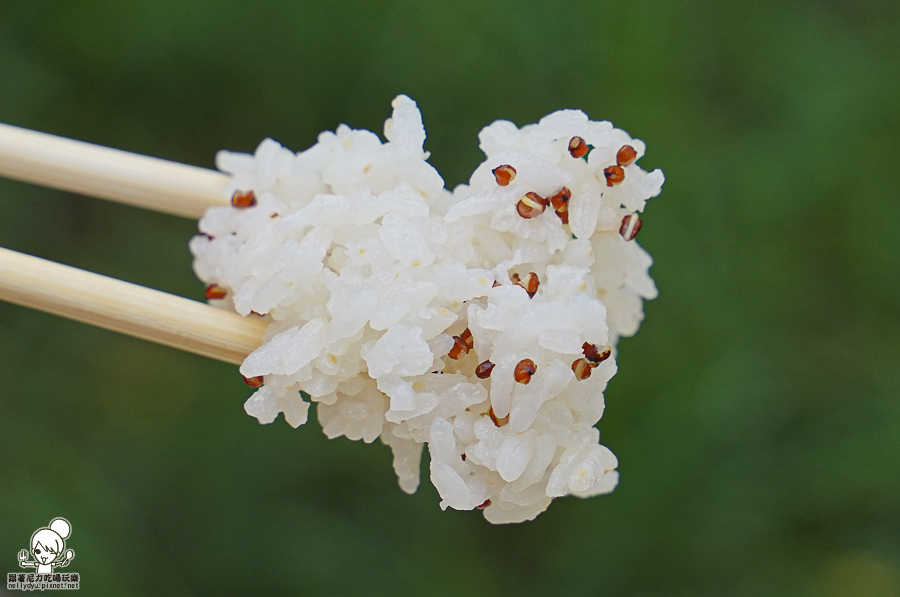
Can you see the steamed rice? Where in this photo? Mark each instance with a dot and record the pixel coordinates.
(370, 271)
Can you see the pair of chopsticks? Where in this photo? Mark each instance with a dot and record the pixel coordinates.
(136, 180)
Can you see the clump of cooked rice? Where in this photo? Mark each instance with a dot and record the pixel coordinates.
(387, 292)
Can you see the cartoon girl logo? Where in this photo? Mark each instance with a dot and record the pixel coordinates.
(48, 546)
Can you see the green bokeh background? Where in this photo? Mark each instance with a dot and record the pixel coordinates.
(756, 415)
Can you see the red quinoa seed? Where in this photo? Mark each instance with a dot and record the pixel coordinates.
(614, 175)
(582, 369)
(530, 284)
(483, 370)
(524, 370)
(531, 205)
(254, 382)
(594, 353)
(631, 225)
(497, 421)
(460, 348)
(214, 291)
(626, 156)
(504, 174)
(578, 148)
(466, 337)
(242, 199)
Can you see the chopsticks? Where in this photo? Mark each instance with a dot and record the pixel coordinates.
(127, 308)
(132, 179)
(112, 174)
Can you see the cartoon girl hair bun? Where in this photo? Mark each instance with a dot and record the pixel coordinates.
(61, 527)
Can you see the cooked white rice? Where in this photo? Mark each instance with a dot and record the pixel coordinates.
(367, 268)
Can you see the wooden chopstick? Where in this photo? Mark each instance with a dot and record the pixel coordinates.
(142, 181)
(128, 308)
(135, 180)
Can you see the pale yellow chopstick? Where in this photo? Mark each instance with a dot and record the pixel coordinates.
(138, 180)
(127, 308)
(135, 180)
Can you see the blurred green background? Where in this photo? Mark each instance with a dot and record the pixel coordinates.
(756, 415)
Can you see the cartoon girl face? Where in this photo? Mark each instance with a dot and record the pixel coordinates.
(46, 546)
